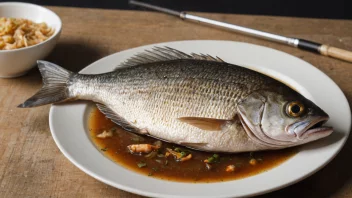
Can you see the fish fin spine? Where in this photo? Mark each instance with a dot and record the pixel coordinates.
(158, 54)
(117, 119)
(54, 89)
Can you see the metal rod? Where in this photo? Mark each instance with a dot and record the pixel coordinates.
(236, 28)
(248, 31)
(153, 7)
(295, 42)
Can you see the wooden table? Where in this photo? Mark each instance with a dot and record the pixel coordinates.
(32, 166)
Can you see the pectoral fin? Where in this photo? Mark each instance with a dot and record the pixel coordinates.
(208, 124)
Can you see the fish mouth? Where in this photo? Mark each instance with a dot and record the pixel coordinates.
(304, 129)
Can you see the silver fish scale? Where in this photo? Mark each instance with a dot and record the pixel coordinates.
(152, 96)
(200, 88)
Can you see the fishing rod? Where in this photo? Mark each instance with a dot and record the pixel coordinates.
(322, 49)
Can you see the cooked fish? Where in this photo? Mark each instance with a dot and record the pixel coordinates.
(193, 100)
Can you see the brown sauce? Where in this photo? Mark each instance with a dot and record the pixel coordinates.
(167, 168)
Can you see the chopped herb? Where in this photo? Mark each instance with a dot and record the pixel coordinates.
(159, 161)
(151, 155)
(183, 154)
(213, 159)
(104, 149)
(155, 169)
(161, 155)
(141, 164)
(177, 149)
(150, 174)
(251, 154)
(210, 160)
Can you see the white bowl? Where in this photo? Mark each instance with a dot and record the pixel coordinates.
(17, 62)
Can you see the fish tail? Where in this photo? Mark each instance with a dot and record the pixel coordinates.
(55, 85)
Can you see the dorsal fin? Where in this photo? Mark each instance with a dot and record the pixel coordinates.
(158, 54)
(117, 119)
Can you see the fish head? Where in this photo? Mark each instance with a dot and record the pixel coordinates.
(283, 118)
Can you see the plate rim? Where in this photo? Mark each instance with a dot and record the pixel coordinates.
(153, 194)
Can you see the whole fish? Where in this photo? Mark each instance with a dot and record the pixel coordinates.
(194, 100)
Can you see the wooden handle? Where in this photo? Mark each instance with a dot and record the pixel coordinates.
(336, 53)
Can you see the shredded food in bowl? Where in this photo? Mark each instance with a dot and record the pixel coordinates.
(18, 33)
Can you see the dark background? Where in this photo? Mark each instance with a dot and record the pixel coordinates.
(333, 9)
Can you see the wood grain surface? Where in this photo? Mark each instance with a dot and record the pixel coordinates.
(32, 166)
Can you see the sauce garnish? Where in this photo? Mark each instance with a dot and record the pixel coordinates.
(203, 167)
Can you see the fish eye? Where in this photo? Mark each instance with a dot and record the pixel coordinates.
(295, 109)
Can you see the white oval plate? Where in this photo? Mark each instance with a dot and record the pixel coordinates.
(68, 124)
